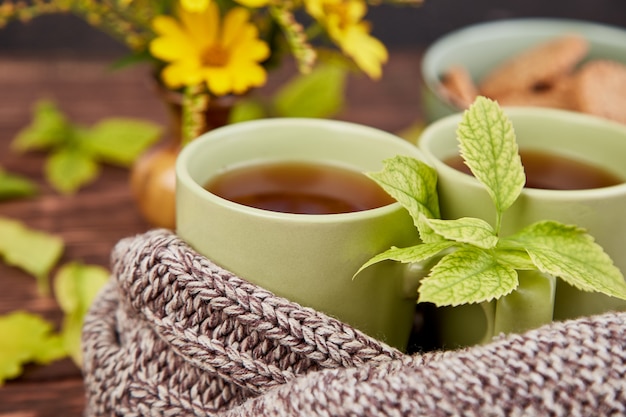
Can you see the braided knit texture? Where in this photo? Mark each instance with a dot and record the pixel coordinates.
(173, 334)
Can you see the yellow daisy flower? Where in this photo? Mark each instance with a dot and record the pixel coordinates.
(199, 48)
(343, 22)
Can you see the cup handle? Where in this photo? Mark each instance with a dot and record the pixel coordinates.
(529, 306)
(414, 272)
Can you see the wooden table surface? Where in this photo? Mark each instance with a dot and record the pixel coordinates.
(94, 219)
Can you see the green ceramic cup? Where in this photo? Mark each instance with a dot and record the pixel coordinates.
(602, 211)
(309, 259)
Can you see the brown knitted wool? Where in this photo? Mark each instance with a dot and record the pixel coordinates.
(173, 334)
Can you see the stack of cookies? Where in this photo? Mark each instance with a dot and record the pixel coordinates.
(551, 74)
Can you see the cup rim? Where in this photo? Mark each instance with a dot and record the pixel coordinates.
(222, 133)
(429, 135)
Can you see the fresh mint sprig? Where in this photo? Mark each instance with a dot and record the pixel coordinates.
(475, 263)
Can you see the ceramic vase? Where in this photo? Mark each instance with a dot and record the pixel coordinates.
(152, 176)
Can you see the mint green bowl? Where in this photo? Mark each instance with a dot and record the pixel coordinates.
(481, 47)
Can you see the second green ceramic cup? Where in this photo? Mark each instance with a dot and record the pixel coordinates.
(601, 210)
(308, 259)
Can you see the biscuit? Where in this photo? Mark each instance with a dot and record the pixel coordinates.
(600, 89)
(458, 87)
(535, 67)
(558, 95)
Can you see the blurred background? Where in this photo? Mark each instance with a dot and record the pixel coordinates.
(396, 27)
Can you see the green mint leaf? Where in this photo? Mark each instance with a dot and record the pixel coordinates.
(476, 232)
(120, 141)
(489, 148)
(515, 258)
(571, 254)
(26, 338)
(426, 233)
(75, 287)
(49, 128)
(412, 183)
(317, 94)
(69, 169)
(15, 186)
(31, 250)
(467, 275)
(411, 254)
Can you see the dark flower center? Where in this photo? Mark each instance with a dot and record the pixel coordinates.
(214, 56)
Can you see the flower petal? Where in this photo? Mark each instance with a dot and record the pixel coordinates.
(203, 27)
(218, 81)
(195, 5)
(173, 42)
(165, 25)
(255, 4)
(182, 73)
(171, 49)
(367, 52)
(235, 26)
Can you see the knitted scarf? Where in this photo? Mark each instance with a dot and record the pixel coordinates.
(173, 334)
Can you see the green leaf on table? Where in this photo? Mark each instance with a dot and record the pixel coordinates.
(15, 186)
(76, 151)
(68, 169)
(489, 148)
(120, 140)
(467, 275)
(75, 287)
(317, 94)
(31, 250)
(48, 129)
(26, 338)
(568, 252)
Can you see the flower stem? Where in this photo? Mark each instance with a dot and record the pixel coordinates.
(195, 104)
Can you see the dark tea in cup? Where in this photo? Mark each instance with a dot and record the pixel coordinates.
(299, 187)
(554, 172)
